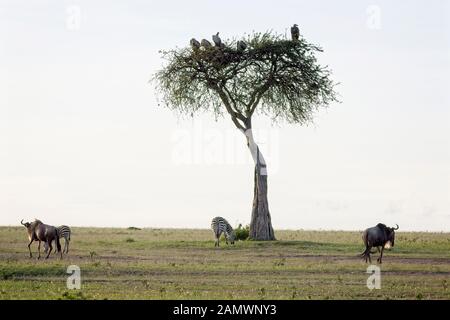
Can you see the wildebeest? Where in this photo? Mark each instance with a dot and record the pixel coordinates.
(38, 231)
(378, 236)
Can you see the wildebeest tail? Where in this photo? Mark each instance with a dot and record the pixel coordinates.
(367, 250)
(365, 253)
(58, 243)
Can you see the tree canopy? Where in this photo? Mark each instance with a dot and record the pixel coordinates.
(279, 75)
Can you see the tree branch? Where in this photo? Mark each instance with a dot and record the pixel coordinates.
(279, 75)
(234, 115)
(237, 113)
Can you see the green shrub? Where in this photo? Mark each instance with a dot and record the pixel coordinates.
(242, 233)
(73, 296)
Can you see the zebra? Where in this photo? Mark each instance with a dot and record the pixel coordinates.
(63, 232)
(219, 225)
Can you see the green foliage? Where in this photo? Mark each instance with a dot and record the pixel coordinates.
(134, 228)
(242, 233)
(73, 295)
(282, 76)
(6, 275)
(130, 240)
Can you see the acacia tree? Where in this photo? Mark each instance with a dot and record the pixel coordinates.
(262, 72)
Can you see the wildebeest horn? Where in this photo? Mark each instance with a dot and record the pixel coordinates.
(395, 228)
(21, 222)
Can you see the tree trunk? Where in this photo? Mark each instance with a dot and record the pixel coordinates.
(260, 224)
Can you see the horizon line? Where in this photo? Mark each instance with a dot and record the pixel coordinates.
(196, 228)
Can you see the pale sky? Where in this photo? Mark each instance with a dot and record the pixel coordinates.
(84, 143)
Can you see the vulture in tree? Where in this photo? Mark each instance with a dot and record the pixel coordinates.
(217, 40)
(295, 33)
(195, 44)
(241, 45)
(206, 44)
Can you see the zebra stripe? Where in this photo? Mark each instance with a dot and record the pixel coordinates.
(219, 225)
(63, 232)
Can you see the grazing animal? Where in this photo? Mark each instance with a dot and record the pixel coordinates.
(206, 44)
(219, 225)
(38, 231)
(241, 46)
(217, 40)
(195, 45)
(378, 236)
(295, 32)
(63, 232)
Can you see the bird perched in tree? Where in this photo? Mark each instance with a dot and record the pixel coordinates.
(241, 45)
(195, 45)
(217, 40)
(206, 44)
(295, 32)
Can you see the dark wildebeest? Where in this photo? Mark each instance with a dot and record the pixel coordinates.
(378, 236)
(37, 231)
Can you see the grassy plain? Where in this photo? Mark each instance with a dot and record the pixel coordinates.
(183, 264)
